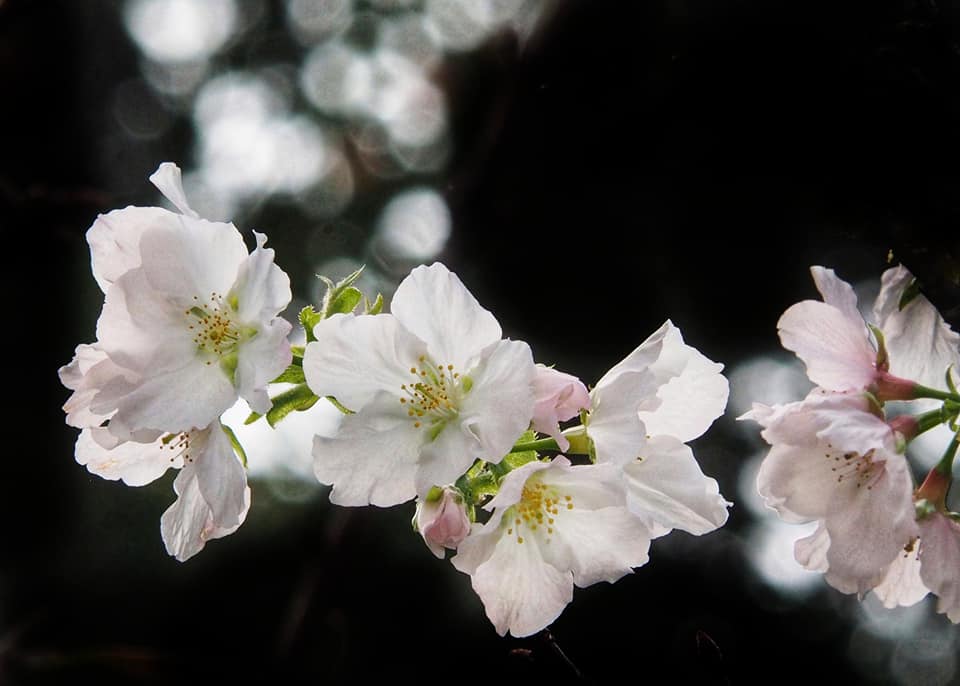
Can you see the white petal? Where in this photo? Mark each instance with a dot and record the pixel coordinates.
(499, 406)
(797, 482)
(373, 459)
(193, 520)
(177, 400)
(869, 527)
(114, 240)
(668, 488)
(88, 372)
(521, 593)
(136, 464)
(642, 357)
(444, 459)
(837, 293)
(835, 349)
(901, 585)
(692, 393)
(355, 357)
(168, 180)
(221, 478)
(940, 562)
(606, 544)
(141, 330)
(811, 551)
(262, 288)
(434, 305)
(921, 345)
(193, 258)
(614, 425)
(260, 360)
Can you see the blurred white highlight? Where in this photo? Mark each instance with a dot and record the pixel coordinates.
(180, 30)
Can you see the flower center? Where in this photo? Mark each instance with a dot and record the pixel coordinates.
(179, 446)
(433, 399)
(538, 510)
(863, 470)
(213, 327)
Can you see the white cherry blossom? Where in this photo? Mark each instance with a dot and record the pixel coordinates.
(433, 385)
(190, 320)
(642, 411)
(554, 526)
(213, 496)
(834, 461)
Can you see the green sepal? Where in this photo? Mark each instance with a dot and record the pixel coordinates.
(292, 374)
(297, 351)
(376, 307)
(309, 318)
(909, 293)
(337, 404)
(235, 442)
(251, 418)
(298, 398)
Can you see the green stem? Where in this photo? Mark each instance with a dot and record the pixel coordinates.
(927, 392)
(933, 418)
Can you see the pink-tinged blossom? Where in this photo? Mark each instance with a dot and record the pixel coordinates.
(940, 561)
(834, 342)
(433, 386)
(442, 521)
(212, 492)
(554, 526)
(834, 461)
(643, 410)
(190, 321)
(557, 397)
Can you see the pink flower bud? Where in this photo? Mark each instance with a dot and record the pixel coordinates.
(443, 522)
(557, 397)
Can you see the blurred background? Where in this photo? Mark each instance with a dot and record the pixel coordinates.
(589, 169)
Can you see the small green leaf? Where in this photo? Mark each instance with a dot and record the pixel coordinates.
(297, 351)
(298, 398)
(253, 416)
(376, 307)
(909, 293)
(333, 299)
(309, 318)
(292, 374)
(237, 448)
(344, 303)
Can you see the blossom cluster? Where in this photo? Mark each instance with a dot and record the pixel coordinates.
(838, 457)
(525, 479)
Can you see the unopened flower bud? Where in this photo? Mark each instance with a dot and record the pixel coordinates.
(442, 521)
(557, 398)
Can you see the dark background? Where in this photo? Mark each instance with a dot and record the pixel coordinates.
(629, 162)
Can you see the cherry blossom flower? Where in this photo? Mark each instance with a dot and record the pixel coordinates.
(442, 520)
(553, 526)
(832, 339)
(834, 461)
(433, 385)
(642, 411)
(190, 318)
(557, 397)
(213, 496)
